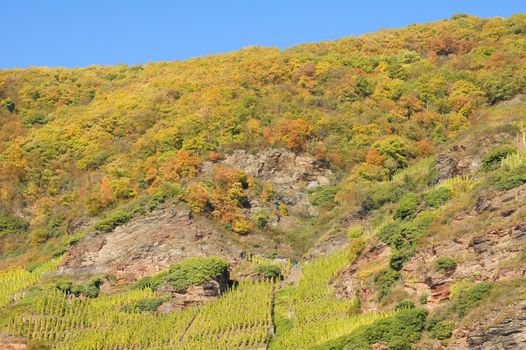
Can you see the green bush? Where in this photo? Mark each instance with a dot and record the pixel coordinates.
(11, 224)
(270, 271)
(385, 279)
(510, 178)
(405, 304)
(423, 299)
(152, 282)
(190, 272)
(194, 271)
(437, 197)
(37, 118)
(116, 219)
(492, 160)
(395, 149)
(145, 305)
(400, 331)
(8, 104)
(445, 264)
(442, 330)
(400, 257)
(468, 296)
(323, 196)
(164, 192)
(407, 206)
(89, 290)
(261, 218)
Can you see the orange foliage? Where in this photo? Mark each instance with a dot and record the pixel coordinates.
(424, 147)
(293, 133)
(374, 157)
(106, 191)
(182, 165)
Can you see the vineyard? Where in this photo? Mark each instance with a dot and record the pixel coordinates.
(15, 280)
(241, 319)
(312, 312)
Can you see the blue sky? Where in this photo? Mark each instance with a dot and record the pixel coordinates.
(74, 33)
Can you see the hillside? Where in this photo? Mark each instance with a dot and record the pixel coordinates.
(364, 193)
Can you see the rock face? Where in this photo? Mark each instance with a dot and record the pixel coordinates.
(483, 254)
(508, 334)
(448, 166)
(351, 280)
(147, 245)
(285, 169)
(291, 175)
(498, 329)
(193, 295)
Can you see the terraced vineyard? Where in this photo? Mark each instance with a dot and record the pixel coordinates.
(240, 319)
(15, 280)
(310, 310)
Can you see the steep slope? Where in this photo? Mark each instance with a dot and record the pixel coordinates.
(364, 193)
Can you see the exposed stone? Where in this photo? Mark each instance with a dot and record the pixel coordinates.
(447, 166)
(291, 175)
(509, 334)
(482, 204)
(147, 245)
(349, 281)
(193, 295)
(498, 329)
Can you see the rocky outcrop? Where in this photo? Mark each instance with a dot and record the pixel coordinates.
(147, 245)
(193, 295)
(290, 174)
(285, 169)
(354, 280)
(498, 329)
(448, 166)
(483, 257)
(509, 334)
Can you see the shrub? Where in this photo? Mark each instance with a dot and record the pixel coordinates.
(468, 295)
(445, 264)
(261, 218)
(405, 304)
(514, 161)
(323, 196)
(407, 206)
(492, 160)
(400, 257)
(11, 224)
(189, 272)
(396, 149)
(437, 197)
(398, 332)
(355, 232)
(194, 271)
(510, 178)
(37, 118)
(402, 235)
(442, 330)
(423, 299)
(8, 104)
(117, 218)
(89, 290)
(270, 271)
(145, 305)
(386, 279)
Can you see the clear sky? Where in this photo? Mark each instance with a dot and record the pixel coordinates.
(74, 33)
